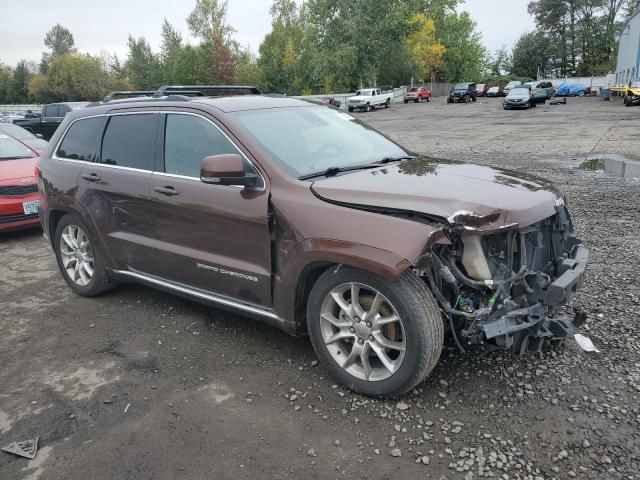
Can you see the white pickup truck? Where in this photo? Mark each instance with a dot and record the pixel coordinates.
(367, 98)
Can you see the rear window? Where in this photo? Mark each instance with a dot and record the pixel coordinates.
(79, 143)
(51, 111)
(130, 141)
(16, 131)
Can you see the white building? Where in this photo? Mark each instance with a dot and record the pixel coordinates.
(628, 65)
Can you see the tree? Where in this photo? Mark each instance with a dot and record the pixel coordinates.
(501, 62)
(59, 40)
(207, 21)
(170, 52)
(19, 84)
(465, 57)
(530, 55)
(6, 76)
(142, 67)
(423, 46)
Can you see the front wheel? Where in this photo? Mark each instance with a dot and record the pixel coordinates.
(377, 337)
(406, 101)
(628, 100)
(428, 99)
(80, 261)
(350, 109)
(367, 108)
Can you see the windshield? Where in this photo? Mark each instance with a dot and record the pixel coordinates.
(518, 93)
(363, 92)
(461, 86)
(494, 89)
(307, 140)
(635, 84)
(514, 83)
(16, 131)
(10, 148)
(480, 86)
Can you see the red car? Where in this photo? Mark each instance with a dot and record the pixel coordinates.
(481, 89)
(417, 94)
(19, 197)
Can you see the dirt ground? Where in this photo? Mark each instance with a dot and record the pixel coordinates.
(139, 384)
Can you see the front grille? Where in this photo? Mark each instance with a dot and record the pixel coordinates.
(16, 190)
(17, 218)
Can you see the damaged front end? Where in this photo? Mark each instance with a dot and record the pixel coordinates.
(508, 284)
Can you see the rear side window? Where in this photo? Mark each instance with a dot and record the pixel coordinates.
(80, 141)
(188, 140)
(130, 141)
(51, 111)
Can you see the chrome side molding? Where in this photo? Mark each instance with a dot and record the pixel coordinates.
(210, 297)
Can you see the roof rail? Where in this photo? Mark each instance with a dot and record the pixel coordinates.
(207, 90)
(128, 93)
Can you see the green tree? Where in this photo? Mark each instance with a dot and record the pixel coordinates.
(501, 62)
(19, 84)
(142, 68)
(530, 55)
(207, 21)
(465, 56)
(171, 50)
(59, 40)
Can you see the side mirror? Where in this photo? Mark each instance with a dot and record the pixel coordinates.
(39, 135)
(226, 169)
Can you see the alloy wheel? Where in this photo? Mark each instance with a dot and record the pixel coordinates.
(362, 331)
(76, 253)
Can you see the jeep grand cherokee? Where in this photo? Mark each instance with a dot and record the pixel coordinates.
(306, 218)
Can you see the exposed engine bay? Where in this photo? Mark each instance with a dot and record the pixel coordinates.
(508, 287)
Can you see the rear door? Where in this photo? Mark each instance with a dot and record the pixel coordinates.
(210, 237)
(51, 120)
(115, 189)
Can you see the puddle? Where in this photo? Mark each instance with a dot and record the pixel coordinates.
(616, 167)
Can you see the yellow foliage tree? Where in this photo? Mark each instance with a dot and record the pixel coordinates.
(424, 47)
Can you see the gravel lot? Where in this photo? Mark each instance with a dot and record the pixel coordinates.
(141, 384)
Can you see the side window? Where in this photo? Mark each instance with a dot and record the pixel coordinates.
(81, 140)
(51, 111)
(130, 141)
(63, 110)
(188, 140)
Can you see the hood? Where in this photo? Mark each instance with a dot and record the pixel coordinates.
(467, 196)
(12, 170)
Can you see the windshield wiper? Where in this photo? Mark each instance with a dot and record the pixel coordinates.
(333, 171)
(14, 158)
(394, 159)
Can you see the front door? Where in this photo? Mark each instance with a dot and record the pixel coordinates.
(211, 237)
(115, 189)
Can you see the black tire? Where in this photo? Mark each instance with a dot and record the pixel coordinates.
(473, 99)
(421, 320)
(367, 108)
(449, 100)
(387, 104)
(100, 282)
(467, 100)
(350, 109)
(417, 100)
(428, 99)
(406, 101)
(628, 100)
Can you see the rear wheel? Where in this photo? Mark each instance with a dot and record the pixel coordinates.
(428, 99)
(406, 101)
(380, 338)
(79, 259)
(387, 104)
(628, 100)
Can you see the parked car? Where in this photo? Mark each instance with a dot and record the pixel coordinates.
(417, 94)
(19, 197)
(523, 85)
(539, 95)
(314, 222)
(572, 90)
(518, 98)
(462, 92)
(548, 88)
(9, 117)
(495, 92)
(481, 89)
(510, 85)
(35, 142)
(50, 119)
(368, 98)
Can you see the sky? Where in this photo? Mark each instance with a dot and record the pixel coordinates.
(105, 25)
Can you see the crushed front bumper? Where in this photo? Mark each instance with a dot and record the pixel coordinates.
(526, 329)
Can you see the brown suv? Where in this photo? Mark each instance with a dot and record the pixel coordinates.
(306, 218)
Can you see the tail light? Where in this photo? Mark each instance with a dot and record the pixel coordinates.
(37, 172)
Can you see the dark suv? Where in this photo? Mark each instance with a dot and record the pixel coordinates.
(463, 92)
(306, 218)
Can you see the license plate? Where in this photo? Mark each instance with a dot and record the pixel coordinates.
(31, 207)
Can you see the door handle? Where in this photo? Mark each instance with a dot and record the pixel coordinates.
(91, 177)
(168, 190)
